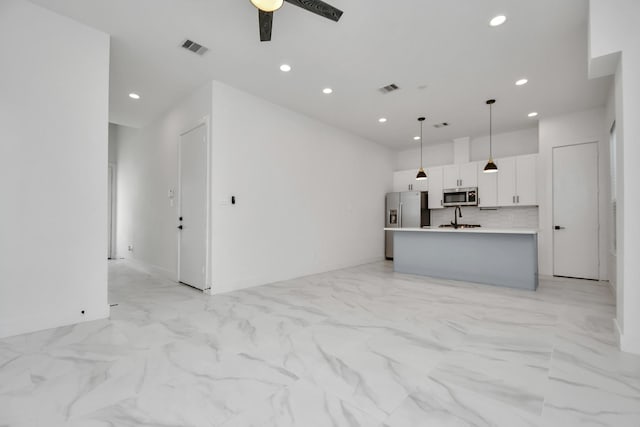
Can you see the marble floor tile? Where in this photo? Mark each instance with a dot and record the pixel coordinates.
(442, 404)
(361, 346)
(303, 404)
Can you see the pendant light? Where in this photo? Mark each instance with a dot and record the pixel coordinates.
(491, 166)
(422, 175)
(267, 5)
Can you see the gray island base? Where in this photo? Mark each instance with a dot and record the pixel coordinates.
(495, 257)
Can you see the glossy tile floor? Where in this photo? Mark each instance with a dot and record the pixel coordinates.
(356, 347)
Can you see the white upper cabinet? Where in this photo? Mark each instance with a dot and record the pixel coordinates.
(526, 178)
(451, 176)
(469, 175)
(406, 181)
(517, 181)
(506, 181)
(487, 188)
(435, 180)
(462, 175)
(513, 185)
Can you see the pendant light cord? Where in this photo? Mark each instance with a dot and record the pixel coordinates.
(421, 125)
(491, 131)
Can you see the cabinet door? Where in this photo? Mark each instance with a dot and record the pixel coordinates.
(487, 188)
(451, 176)
(468, 175)
(435, 176)
(526, 167)
(422, 185)
(402, 180)
(506, 181)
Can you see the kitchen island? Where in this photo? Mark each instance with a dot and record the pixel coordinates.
(503, 257)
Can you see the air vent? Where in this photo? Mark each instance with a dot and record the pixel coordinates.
(194, 47)
(441, 125)
(389, 88)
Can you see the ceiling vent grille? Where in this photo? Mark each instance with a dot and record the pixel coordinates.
(389, 88)
(441, 125)
(194, 47)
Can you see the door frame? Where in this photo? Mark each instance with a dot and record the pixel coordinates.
(205, 121)
(553, 207)
(112, 167)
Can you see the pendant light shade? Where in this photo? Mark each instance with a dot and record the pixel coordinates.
(491, 166)
(421, 173)
(267, 5)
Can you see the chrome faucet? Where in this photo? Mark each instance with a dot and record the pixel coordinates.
(457, 211)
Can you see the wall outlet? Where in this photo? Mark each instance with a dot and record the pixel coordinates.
(130, 248)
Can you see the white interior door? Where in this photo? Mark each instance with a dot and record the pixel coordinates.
(193, 208)
(575, 211)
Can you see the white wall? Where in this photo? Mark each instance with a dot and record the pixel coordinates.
(310, 198)
(433, 155)
(575, 128)
(614, 48)
(53, 169)
(505, 144)
(609, 118)
(147, 168)
(113, 143)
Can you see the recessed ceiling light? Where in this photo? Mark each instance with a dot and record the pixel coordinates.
(134, 95)
(327, 90)
(382, 119)
(522, 82)
(497, 20)
(533, 114)
(285, 68)
(416, 138)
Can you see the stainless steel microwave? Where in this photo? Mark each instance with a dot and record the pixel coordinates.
(460, 196)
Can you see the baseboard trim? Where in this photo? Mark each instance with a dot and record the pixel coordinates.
(41, 323)
(612, 287)
(626, 343)
(252, 282)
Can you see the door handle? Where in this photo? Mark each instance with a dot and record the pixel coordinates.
(513, 199)
(179, 227)
(557, 227)
(518, 199)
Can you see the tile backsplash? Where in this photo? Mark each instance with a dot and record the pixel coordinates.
(507, 217)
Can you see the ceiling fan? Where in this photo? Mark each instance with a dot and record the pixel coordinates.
(267, 7)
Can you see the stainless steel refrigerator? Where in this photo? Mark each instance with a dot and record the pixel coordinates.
(408, 209)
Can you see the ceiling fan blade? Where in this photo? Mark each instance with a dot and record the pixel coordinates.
(319, 8)
(265, 20)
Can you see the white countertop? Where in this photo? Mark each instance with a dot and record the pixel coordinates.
(436, 229)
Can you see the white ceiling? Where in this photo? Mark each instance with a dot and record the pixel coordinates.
(445, 45)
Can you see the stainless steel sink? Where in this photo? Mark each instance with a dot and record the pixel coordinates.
(459, 226)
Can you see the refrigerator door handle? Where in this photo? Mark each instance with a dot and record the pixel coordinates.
(400, 215)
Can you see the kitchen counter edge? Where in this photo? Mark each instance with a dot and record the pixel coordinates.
(436, 229)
